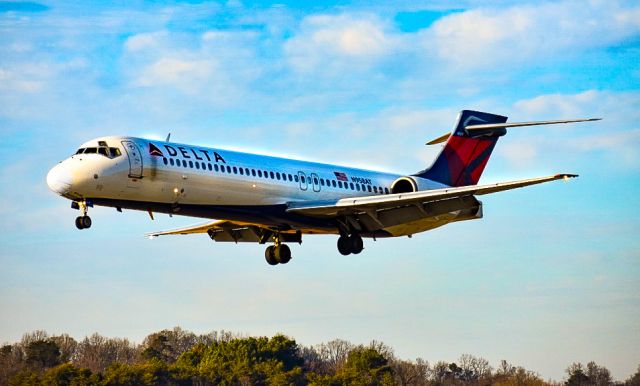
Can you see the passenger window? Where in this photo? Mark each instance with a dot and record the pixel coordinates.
(260, 173)
(340, 184)
(171, 161)
(272, 175)
(215, 167)
(253, 172)
(369, 188)
(235, 170)
(302, 179)
(322, 181)
(246, 171)
(358, 187)
(241, 172)
(278, 175)
(315, 181)
(333, 182)
(209, 166)
(184, 163)
(386, 190)
(296, 178)
(191, 164)
(165, 160)
(229, 169)
(352, 187)
(290, 178)
(197, 165)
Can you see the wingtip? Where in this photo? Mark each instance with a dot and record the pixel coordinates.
(566, 176)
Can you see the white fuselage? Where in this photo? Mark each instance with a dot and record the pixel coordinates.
(136, 173)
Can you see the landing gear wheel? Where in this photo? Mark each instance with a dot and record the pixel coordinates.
(86, 222)
(79, 223)
(355, 244)
(283, 254)
(344, 246)
(270, 256)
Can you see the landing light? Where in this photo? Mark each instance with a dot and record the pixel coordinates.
(566, 178)
(253, 186)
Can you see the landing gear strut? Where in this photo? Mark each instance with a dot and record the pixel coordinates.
(350, 244)
(84, 221)
(278, 253)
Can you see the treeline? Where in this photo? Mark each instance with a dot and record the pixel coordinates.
(178, 357)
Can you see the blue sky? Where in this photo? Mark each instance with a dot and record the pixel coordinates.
(548, 277)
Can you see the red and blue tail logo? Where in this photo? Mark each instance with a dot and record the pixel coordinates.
(465, 155)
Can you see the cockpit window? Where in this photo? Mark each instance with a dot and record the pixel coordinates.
(114, 152)
(109, 152)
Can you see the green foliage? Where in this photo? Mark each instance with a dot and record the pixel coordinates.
(68, 375)
(24, 378)
(42, 353)
(365, 366)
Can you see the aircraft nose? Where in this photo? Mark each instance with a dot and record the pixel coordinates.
(59, 179)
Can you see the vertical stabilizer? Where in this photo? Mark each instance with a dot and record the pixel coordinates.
(466, 153)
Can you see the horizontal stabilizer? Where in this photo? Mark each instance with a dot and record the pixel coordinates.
(490, 126)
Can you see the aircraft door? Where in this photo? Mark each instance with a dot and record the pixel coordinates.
(315, 181)
(304, 182)
(135, 159)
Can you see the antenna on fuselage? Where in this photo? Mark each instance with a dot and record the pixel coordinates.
(168, 137)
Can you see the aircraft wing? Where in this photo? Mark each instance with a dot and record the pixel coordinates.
(234, 231)
(369, 204)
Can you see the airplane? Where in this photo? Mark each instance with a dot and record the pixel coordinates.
(264, 199)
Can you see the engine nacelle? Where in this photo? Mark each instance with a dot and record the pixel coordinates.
(408, 184)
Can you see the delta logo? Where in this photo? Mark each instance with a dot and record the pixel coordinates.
(153, 150)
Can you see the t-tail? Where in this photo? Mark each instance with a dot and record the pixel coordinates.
(468, 148)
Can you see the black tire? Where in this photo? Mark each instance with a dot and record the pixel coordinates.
(86, 222)
(283, 254)
(269, 255)
(356, 245)
(344, 246)
(79, 223)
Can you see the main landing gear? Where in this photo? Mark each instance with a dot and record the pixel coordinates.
(84, 221)
(348, 244)
(277, 254)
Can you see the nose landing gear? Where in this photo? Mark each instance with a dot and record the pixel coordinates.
(84, 221)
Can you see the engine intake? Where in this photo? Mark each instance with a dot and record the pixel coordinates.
(404, 185)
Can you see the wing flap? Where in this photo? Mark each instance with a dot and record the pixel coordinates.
(390, 201)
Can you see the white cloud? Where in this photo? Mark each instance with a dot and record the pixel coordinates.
(616, 137)
(325, 39)
(486, 36)
(183, 74)
(145, 41)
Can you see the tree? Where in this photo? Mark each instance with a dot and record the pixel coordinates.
(68, 374)
(577, 377)
(634, 380)
(168, 345)
(97, 352)
(42, 353)
(365, 366)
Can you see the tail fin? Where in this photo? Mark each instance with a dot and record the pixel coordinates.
(466, 152)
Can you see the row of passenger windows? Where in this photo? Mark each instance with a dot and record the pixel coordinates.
(274, 175)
